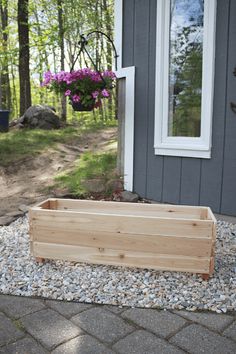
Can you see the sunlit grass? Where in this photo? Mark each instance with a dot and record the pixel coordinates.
(22, 143)
(99, 166)
(18, 144)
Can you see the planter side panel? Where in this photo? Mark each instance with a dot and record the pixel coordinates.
(147, 242)
(173, 245)
(122, 258)
(122, 224)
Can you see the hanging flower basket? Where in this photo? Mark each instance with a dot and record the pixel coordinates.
(79, 107)
(85, 88)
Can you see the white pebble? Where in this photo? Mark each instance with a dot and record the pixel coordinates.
(21, 275)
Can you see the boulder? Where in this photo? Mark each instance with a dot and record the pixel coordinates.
(130, 197)
(94, 185)
(115, 185)
(40, 116)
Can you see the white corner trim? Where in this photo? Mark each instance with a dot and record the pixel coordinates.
(129, 74)
(183, 146)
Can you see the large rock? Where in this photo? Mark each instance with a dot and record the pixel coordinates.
(94, 185)
(130, 197)
(42, 117)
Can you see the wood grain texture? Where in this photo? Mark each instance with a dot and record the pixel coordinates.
(157, 210)
(124, 234)
(120, 257)
(122, 223)
(129, 242)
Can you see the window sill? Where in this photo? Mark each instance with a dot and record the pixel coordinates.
(203, 154)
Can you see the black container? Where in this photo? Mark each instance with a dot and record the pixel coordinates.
(4, 121)
(77, 106)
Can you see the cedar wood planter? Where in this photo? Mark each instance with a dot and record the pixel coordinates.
(163, 237)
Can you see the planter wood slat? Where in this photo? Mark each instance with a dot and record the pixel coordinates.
(187, 246)
(153, 236)
(120, 257)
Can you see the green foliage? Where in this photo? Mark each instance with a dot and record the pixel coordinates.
(86, 86)
(80, 16)
(90, 166)
(19, 144)
(186, 76)
(24, 143)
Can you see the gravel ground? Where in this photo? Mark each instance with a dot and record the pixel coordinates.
(21, 275)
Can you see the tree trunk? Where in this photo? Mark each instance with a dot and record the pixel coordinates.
(108, 24)
(62, 51)
(14, 100)
(4, 80)
(24, 56)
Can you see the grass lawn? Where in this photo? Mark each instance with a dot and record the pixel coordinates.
(100, 167)
(19, 144)
(23, 143)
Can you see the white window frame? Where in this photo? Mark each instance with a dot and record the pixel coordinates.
(199, 147)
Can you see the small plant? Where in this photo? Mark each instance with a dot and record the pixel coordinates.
(95, 175)
(85, 86)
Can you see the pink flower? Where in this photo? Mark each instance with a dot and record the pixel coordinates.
(68, 92)
(105, 93)
(75, 98)
(108, 73)
(95, 94)
(48, 76)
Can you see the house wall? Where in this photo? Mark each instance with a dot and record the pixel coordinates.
(210, 182)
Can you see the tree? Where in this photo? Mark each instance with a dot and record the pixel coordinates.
(185, 86)
(62, 52)
(49, 32)
(24, 55)
(5, 92)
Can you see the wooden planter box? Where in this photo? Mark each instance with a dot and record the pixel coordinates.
(163, 237)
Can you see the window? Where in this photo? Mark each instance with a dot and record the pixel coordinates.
(184, 77)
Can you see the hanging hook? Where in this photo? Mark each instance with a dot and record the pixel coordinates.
(110, 40)
(83, 42)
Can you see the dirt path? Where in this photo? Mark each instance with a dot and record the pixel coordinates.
(25, 182)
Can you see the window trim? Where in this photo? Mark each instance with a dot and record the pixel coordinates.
(129, 74)
(184, 146)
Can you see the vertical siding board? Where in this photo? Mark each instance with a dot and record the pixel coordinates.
(171, 180)
(141, 58)
(228, 205)
(190, 181)
(128, 33)
(211, 176)
(175, 179)
(154, 163)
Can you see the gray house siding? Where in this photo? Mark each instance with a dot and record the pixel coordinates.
(179, 180)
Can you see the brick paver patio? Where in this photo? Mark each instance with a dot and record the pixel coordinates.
(34, 326)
